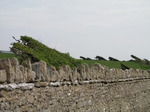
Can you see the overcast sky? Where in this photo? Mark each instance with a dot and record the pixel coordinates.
(116, 28)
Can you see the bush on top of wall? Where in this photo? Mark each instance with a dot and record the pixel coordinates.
(29, 48)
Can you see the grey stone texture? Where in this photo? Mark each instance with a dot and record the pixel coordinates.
(130, 96)
(40, 88)
(3, 76)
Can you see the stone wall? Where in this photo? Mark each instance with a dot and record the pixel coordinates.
(37, 87)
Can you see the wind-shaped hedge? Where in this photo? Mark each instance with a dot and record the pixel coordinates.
(29, 48)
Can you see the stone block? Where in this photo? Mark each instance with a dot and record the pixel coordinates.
(18, 76)
(67, 73)
(5, 64)
(26, 86)
(55, 84)
(41, 84)
(40, 69)
(61, 74)
(3, 76)
(75, 75)
(53, 74)
(84, 72)
(28, 70)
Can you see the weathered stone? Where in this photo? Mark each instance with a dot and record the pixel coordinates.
(44, 71)
(55, 84)
(112, 74)
(41, 84)
(75, 82)
(99, 89)
(61, 74)
(80, 82)
(85, 82)
(25, 108)
(4, 87)
(14, 62)
(26, 86)
(13, 86)
(145, 73)
(75, 75)
(27, 64)
(66, 83)
(130, 75)
(30, 99)
(30, 76)
(40, 69)
(4, 93)
(107, 74)
(23, 75)
(93, 81)
(28, 70)
(131, 95)
(22, 86)
(95, 71)
(18, 77)
(25, 71)
(68, 73)
(3, 76)
(53, 74)
(5, 64)
(84, 72)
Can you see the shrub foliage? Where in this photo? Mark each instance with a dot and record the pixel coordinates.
(29, 48)
(99, 58)
(113, 59)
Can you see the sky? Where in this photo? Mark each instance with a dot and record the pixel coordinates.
(89, 28)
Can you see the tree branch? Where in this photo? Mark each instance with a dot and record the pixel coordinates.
(16, 39)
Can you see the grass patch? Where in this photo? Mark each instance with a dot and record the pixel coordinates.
(137, 65)
(6, 55)
(110, 64)
(116, 64)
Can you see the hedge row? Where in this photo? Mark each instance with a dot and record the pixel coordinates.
(29, 48)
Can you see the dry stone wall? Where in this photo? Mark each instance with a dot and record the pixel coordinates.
(12, 72)
(38, 87)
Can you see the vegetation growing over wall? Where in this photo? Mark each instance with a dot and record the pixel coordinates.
(136, 58)
(117, 64)
(29, 48)
(113, 59)
(99, 58)
(137, 63)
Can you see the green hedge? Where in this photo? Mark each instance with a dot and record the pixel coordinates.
(29, 48)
